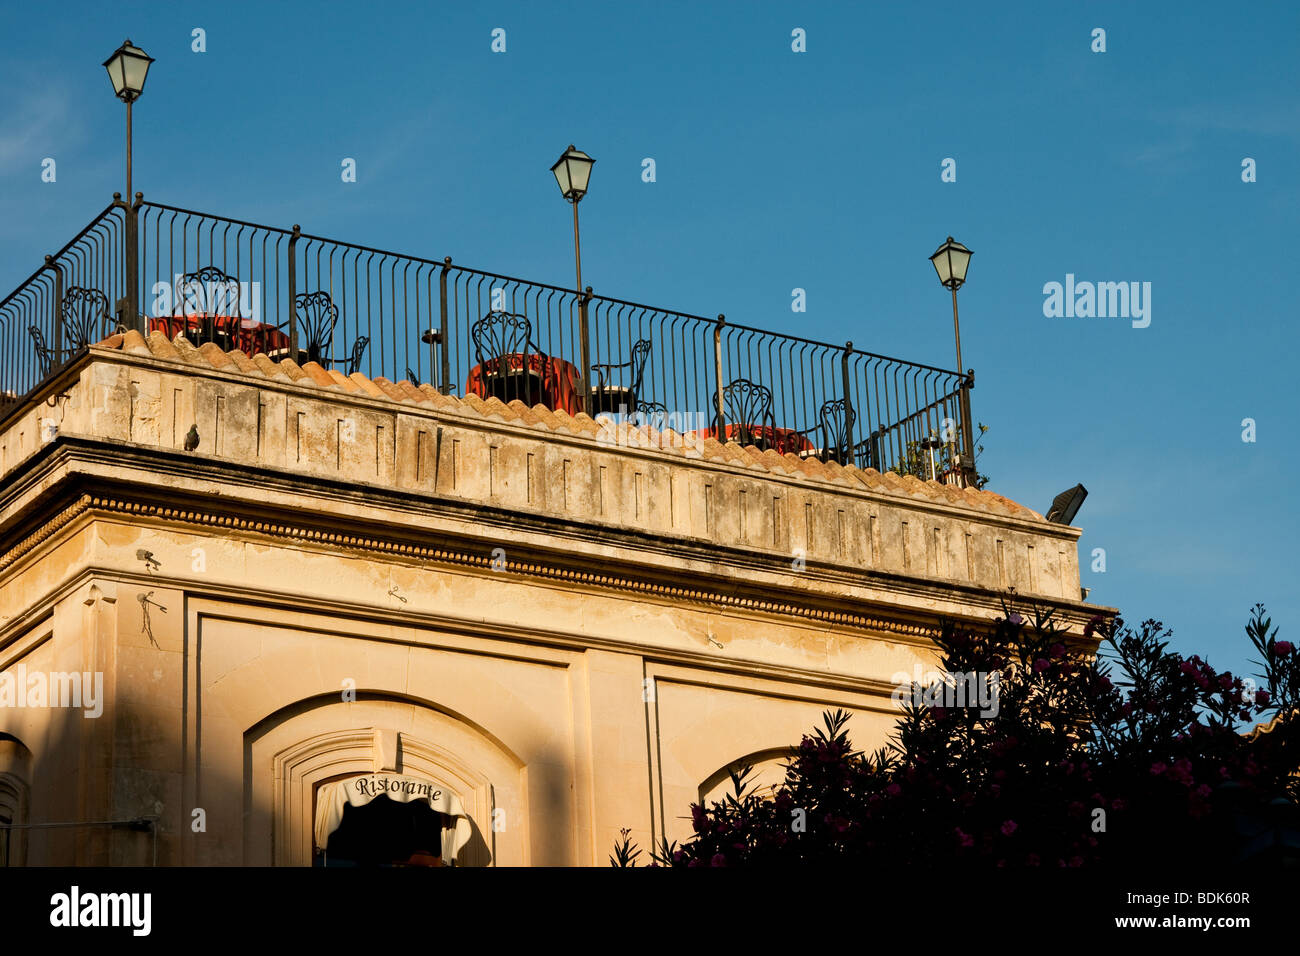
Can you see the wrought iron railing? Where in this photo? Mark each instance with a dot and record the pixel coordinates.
(367, 310)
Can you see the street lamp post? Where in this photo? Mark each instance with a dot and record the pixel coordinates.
(950, 261)
(127, 69)
(573, 172)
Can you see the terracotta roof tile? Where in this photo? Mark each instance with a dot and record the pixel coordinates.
(270, 369)
(523, 412)
(410, 391)
(545, 416)
(292, 369)
(159, 345)
(133, 341)
(313, 375)
(436, 398)
(213, 354)
(318, 375)
(243, 363)
(342, 381)
(367, 386)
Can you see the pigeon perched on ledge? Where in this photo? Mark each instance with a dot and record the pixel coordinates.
(192, 438)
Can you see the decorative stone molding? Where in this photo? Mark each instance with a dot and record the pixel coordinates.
(463, 559)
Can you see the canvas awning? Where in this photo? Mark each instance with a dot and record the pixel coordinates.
(334, 797)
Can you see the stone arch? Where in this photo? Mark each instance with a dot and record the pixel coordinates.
(15, 795)
(769, 771)
(290, 753)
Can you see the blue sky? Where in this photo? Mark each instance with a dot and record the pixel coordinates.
(775, 170)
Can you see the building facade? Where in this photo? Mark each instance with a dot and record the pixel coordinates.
(538, 627)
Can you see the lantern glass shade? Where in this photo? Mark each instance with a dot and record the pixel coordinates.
(573, 172)
(951, 260)
(127, 68)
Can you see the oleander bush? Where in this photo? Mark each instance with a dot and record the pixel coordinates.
(1122, 753)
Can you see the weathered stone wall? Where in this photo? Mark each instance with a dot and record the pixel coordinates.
(651, 615)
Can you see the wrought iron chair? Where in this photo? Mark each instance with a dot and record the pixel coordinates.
(45, 355)
(654, 414)
(352, 363)
(836, 418)
(498, 338)
(85, 319)
(208, 293)
(606, 397)
(317, 317)
(748, 406)
(85, 316)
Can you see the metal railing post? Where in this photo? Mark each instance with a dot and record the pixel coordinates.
(584, 342)
(293, 291)
(133, 265)
(848, 406)
(58, 308)
(445, 387)
(720, 422)
(968, 426)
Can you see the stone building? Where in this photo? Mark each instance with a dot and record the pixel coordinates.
(540, 627)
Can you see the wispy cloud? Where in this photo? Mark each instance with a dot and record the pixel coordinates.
(38, 118)
(1259, 119)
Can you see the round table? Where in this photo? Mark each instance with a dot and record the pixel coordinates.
(533, 378)
(231, 332)
(780, 440)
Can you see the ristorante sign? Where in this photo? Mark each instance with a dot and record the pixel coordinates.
(390, 786)
(333, 798)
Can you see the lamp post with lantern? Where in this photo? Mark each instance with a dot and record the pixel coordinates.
(950, 261)
(127, 69)
(573, 172)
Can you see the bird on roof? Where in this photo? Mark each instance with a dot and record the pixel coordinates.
(192, 438)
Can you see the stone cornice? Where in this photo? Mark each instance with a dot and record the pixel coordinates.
(74, 493)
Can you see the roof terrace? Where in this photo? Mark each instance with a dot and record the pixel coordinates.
(281, 292)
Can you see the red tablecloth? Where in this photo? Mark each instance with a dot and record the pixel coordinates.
(560, 380)
(246, 335)
(780, 440)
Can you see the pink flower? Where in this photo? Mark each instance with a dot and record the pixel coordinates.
(1008, 827)
(1041, 665)
(718, 860)
(1057, 650)
(1187, 667)
(1262, 698)
(1283, 648)
(1204, 790)
(893, 790)
(964, 838)
(1158, 768)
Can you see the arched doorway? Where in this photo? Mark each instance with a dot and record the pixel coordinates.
(384, 833)
(293, 754)
(388, 819)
